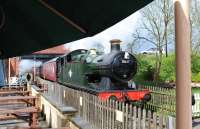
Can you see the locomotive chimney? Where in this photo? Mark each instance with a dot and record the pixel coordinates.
(115, 44)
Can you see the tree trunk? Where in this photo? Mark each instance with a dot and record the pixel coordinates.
(158, 66)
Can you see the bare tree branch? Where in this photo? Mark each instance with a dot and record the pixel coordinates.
(156, 23)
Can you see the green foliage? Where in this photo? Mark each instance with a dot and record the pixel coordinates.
(195, 68)
(196, 78)
(167, 71)
(195, 63)
(146, 68)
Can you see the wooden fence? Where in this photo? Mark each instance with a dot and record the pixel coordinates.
(107, 114)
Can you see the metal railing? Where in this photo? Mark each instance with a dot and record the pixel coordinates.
(164, 99)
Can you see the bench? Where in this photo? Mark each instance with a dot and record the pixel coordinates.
(35, 128)
(12, 87)
(12, 114)
(14, 92)
(28, 107)
(17, 98)
(21, 110)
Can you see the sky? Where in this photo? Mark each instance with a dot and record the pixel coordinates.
(122, 30)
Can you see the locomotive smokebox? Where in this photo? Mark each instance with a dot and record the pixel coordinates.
(115, 44)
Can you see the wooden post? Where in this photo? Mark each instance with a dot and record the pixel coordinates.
(183, 64)
(9, 72)
(34, 70)
(33, 120)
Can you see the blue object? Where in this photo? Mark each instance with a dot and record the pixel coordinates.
(2, 76)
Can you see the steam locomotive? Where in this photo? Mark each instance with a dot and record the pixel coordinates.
(105, 75)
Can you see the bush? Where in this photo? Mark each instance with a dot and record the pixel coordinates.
(195, 68)
(195, 64)
(196, 78)
(145, 68)
(167, 71)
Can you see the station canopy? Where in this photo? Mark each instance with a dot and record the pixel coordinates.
(27, 26)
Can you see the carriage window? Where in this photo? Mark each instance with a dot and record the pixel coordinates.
(62, 61)
(69, 58)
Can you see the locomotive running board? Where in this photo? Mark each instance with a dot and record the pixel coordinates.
(80, 87)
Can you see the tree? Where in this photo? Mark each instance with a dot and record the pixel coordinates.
(130, 46)
(195, 26)
(156, 28)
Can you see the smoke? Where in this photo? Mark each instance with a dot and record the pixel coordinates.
(27, 65)
(86, 43)
(122, 30)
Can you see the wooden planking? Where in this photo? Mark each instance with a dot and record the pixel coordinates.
(13, 102)
(7, 117)
(10, 98)
(14, 92)
(13, 88)
(36, 128)
(21, 110)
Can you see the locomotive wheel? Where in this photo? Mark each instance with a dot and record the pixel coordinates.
(112, 97)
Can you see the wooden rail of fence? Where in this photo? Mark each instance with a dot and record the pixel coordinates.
(108, 114)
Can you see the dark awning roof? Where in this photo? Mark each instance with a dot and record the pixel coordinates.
(27, 26)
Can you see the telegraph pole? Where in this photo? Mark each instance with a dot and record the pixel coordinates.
(183, 65)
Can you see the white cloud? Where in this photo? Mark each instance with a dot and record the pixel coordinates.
(122, 30)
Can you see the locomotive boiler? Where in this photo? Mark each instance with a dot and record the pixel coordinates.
(116, 67)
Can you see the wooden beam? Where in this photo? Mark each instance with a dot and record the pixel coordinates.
(62, 16)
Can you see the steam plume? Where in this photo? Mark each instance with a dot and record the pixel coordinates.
(27, 65)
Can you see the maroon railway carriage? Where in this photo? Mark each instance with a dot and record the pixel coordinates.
(49, 70)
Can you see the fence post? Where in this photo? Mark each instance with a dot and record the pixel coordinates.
(107, 113)
(154, 121)
(101, 112)
(143, 119)
(134, 117)
(130, 124)
(116, 108)
(149, 119)
(113, 113)
(161, 121)
(139, 118)
(124, 115)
